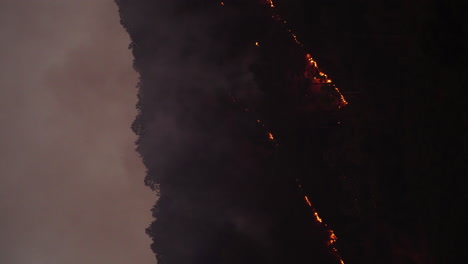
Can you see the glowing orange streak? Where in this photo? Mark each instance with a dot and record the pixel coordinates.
(331, 235)
(317, 217)
(312, 62)
(307, 200)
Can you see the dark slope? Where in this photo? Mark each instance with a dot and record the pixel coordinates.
(404, 159)
(387, 179)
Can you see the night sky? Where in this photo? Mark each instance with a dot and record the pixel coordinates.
(385, 173)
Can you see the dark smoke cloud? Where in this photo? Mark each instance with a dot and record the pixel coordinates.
(397, 55)
(221, 201)
(71, 184)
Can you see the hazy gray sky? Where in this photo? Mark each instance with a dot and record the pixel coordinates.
(71, 186)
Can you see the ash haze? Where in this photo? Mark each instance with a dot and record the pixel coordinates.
(71, 184)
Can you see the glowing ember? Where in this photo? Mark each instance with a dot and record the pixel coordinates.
(333, 237)
(222, 3)
(270, 136)
(271, 3)
(317, 217)
(257, 44)
(311, 61)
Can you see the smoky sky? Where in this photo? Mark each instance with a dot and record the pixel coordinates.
(71, 184)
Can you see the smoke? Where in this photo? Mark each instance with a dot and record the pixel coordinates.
(222, 200)
(71, 184)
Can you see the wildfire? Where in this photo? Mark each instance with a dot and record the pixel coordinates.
(321, 77)
(331, 235)
(317, 77)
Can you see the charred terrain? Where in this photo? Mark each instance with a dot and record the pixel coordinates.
(259, 158)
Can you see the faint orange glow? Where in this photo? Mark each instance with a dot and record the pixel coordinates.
(257, 44)
(295, 38)
(343, 100)
(222, 3)
(271, 3)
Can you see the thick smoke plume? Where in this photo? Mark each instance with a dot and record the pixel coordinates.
(203, 90)
(385, 175)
